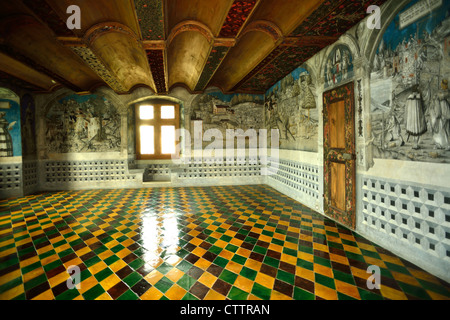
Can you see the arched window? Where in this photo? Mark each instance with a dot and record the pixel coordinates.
(156, 125)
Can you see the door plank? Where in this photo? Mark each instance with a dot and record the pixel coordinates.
(339, 151)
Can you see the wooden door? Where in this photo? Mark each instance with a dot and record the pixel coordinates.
(339, 154)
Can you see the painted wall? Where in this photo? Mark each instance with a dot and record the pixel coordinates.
(291, 107)
(225, 112)
(410, 109)
(28, 125)
(10, 122)
(402, 190)
(88, 123)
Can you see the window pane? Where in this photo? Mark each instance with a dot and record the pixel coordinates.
(147, 139)
(146, 112)
(167, 112)
(168, 139)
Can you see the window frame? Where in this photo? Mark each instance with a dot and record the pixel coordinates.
(157, 123)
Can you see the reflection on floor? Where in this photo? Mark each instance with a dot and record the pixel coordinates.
(246, 242)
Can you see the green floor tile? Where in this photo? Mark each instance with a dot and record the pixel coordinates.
(132, 279)
(248, 273)
(271, 261)
(189, 296)
(228, 276)
(14, 283)
(300, 294)
(286, 277)
(102, 275)
(69, 294)
(237, 294)
(94, 292)
(239, 259)
(164, 284)
(414, 291)
(261, 291)
(324, 280)
(128, 295)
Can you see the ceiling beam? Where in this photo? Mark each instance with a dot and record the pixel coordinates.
(236, 19)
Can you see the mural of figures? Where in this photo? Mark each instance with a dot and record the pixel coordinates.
(290, 107)
(83, 124)
(28, 125)
(339, 66)
(410, 110)
(10, 139)
(228, 111)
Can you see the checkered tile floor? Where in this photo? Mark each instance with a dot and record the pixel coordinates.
(246, 242)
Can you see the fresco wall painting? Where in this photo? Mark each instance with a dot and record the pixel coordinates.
(410, 110)
(83, 124)
(227, 111)
(10, 138)
(290, 106)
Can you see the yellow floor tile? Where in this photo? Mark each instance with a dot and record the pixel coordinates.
(325, 292)
(175, 274)
(32, 274)
(305, 273)
(392, 293)
(199, 251)
(175, 292)
(99, 266)
(347, 289)
(104, 296)
(12, 293)
(59, 278)
(116, 266)
(243, 283)
(323, 270)
(87, 284)
(265, 280)
(202, 263)
(153, 277)
(279, 296)
(338, 258)
(234, 267)
(213, 295)
(47, 295)
(288, 259)
(152, 294)
(110, 282)
(405, 278)
(207, 279)
(253, 297)
(253, 264)
(12, 275)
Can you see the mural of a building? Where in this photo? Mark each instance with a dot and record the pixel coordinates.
(338, 66)
(10, 137)
(290, 107)
(83, 124)
(228, 112)
(410, 110)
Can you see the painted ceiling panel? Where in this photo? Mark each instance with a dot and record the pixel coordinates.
(235, 45)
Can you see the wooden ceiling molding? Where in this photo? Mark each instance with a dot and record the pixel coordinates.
(264, 26)
(234, 45)
(18, 30)
(27, 74)
(119, 49)
(191, 26)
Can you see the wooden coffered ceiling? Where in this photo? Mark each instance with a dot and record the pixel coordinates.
(235, 45)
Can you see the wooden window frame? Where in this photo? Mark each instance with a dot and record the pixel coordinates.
(157, 123)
